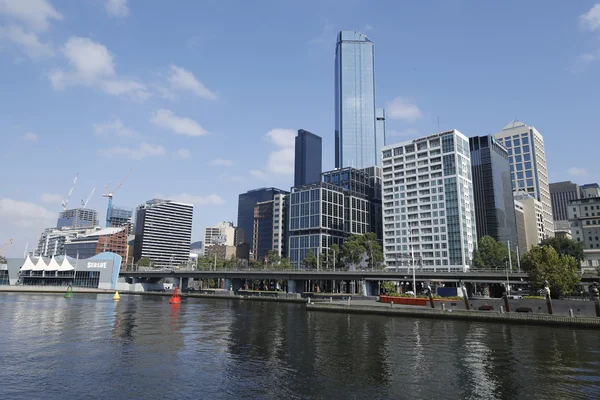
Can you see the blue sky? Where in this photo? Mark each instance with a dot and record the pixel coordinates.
(201, 98)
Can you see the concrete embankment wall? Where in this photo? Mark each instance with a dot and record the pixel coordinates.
(481, 316)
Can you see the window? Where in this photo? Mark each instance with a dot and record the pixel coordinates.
(529, 182)
(510, 160)
(517, 150)
(528, 165)
(520, 175)
(525, 140)
(527, 157)
(525, 149)
(518, 158)
(528, 174)
(517, 142)
(519, 167)
(507, 144)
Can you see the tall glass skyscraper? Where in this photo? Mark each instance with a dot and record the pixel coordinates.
(356, 139)
(308, 160)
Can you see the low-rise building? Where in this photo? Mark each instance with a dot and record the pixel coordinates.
(531, 211)
(52, 240)
(112, 240)
(584, 217)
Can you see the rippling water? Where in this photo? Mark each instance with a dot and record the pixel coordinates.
(90, 347)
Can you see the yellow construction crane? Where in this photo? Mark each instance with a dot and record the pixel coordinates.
(5, 246)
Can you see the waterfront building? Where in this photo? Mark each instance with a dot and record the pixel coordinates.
(492, 190)
(163, 232)
(221, 233)
(590, 190)
(428, 207)
(527, 158)
(561, 193)
(357, 140)
(77, 218)
(112, 240)
(245, 219)
(100, 271)
(584, 217)
(270, 227)
(52, 241)
(532, 212)
(308, 158)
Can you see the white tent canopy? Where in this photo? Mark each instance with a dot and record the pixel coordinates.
(27, 265)
(66, 265)
(40, 265)
(52, 265)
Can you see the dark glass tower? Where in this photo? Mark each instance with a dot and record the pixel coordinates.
(308, 161)
(246, 202)
(492, 190)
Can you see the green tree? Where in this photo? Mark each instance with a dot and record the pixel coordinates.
(353, 252)
(490, 254)
(272, 258)
(373, 249)
(284, 264)
(205, 263)
(310, 260)
(145, 262)
(566, 246)
(334, 259)
(389, 287)
(545, 264)
(256, 264)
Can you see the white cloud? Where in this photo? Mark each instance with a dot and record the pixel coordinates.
(28, 42)
(182, 79)
(403, 109)
(181, 125)
(37, 14)
(117, 8)
(184, 153)
(51, 198)
(583, 61)
(23, 214)
(135, 153)
(281, 160)
(115, 127)
(220, 162)
(574, 171)
(30, 137)
(591, 20)
(133, 89)
(208, 200)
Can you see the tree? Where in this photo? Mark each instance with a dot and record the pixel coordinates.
(145, 262)
(310, 260)
(272, 258)
(545, 264)
(283, 265)
(353, 252)
(256, 264)
(566, 246)
(334, 256)
(372, 248)
(490, 254)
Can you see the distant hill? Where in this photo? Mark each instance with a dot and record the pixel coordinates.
(196, 245)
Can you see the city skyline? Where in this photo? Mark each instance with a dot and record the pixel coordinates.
(167, 114)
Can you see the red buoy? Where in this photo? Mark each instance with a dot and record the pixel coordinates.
(175, 299)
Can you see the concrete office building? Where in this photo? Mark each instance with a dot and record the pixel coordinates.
(357, 139)
(308, 158)
(561, 193)
(270, 227)
(77, 218)
(520, 227)
(52, 241)
(492, 190)
(533, 221)
(113, 240)
(590, 190)
(527, 158)
(428, 206)
(584, 217)
(163, 232)
(246, 202)
(222, 233)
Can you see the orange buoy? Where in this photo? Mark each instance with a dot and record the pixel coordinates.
(175, 299)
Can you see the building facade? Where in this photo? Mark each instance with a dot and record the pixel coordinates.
(492, 190)
(222, 233)
(590, 190)
(527, 158)
(77, 218)
(246, 202)
(533, 221)
(163, 232)
(308, 158)
(520, 227)
(120, 217)
(428, 207)
(379, 132)
(357, 141)
(113, 240)
(270, 227)
(52, 241)
(561, 193)
(584, 217)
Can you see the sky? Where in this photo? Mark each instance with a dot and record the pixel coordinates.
(201, 99)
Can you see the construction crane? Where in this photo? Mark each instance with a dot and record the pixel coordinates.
(65, 200)
(110, 193)
(86, 201)
(5, 246)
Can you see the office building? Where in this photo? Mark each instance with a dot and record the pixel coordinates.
(270, 227)
(222, 233)
(561, 193)
(77, 218)
(357, 140)
(533, 231)
(113, 240)
(163, 232)
(590, 190)
(428, 206)
(52, 241)
(120, 217)
(308, 158)
(492, 190)
(246, 202)
(520, 227)
(584, 216)
(527, 158)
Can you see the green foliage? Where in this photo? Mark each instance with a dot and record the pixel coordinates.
(271, 258)
(145, 262)
(205, 263)
(353, 251)
(490, 254)
(283, 265)
(373, 249)
(566, 246)
(389, 288)
(256, 264)
(534, 297)
(310, 261)
(545, 264)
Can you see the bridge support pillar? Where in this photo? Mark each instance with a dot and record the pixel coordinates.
(369, 288)
(352, 287)
(184, 283)
(236, 284)
(227, 284)
(177, 282)
(295, 286)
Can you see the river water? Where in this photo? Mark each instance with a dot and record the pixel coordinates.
(142, 347)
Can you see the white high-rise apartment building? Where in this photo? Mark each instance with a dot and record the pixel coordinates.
(428, 204)
(221, 233)
(527, 159)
